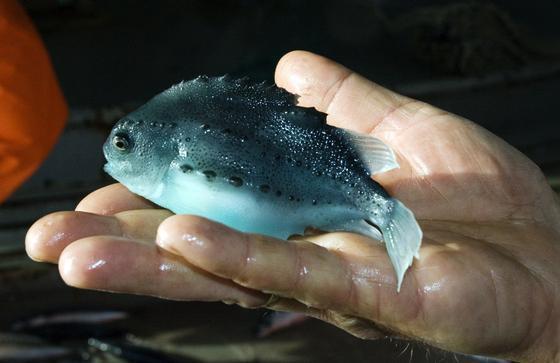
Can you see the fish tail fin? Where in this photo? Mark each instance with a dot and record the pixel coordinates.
(402, 236)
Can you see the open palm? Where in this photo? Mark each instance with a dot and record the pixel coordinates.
(486, 281)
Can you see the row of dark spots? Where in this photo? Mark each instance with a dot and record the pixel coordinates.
(292, 198)
(211, 175)
(265, 188)
(238, 182)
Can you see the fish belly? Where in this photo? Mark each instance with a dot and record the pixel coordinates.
(244, 209)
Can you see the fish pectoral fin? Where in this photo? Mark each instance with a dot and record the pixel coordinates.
(377, 156)
(358, 226)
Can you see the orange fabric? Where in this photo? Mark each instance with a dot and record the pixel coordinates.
(32, 108)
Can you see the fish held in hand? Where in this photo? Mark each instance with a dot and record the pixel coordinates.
(243, 154)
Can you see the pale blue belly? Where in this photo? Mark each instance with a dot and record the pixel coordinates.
(242, 208)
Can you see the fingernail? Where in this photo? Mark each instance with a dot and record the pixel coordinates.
(67, 268)
(181, 231)
(165, 241)
(96, 264)
(192, 240)
(169, 236)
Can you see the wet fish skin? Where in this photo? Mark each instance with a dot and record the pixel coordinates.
(245, 155)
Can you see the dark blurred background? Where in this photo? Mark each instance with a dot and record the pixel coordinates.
(495, 62)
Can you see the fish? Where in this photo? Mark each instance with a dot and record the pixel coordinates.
(33, 354)
(243, 153)
(70, 317)
(126, 351)
(28, 348)
(58, 326)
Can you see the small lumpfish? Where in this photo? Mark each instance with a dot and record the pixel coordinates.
(243, 154)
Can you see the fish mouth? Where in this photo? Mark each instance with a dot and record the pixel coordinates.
(107, 168)
(106, 149)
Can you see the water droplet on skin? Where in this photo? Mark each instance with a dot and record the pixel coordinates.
(434, 287)
(192, 239)
(290, 197)
(97, 264)
(56, 238)
(203, 79)
(166, 267)
(304, 271)
(314, 202)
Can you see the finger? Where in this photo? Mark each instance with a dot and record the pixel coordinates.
(323, 279)
(350, 100)
(354, 281)
(246, 261)
(112, 199)
(47, 237)
(122, 265)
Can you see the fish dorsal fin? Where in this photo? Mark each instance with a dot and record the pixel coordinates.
(376, 155)
(228, 86)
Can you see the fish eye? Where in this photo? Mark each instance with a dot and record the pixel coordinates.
(122, 142)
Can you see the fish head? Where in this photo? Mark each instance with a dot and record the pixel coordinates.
(139, 153)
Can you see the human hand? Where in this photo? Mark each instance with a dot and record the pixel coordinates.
(486, 282)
